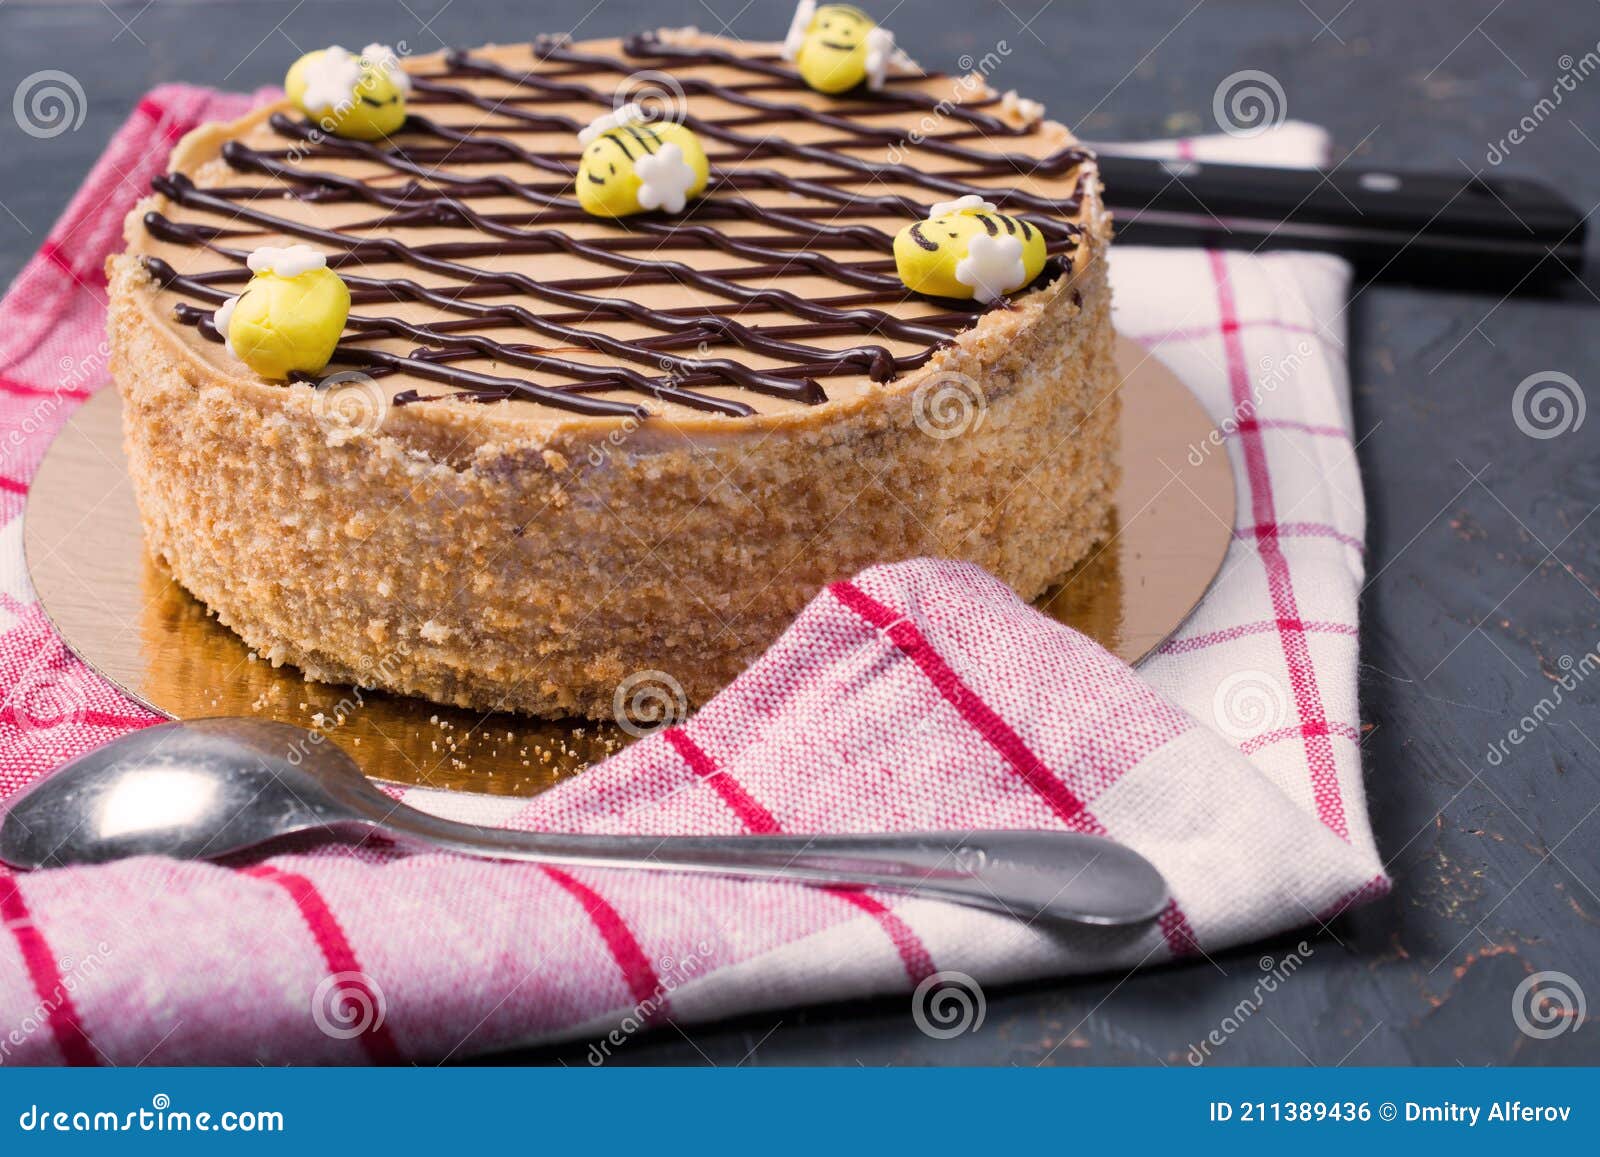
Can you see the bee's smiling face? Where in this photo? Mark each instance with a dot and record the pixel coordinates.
(376, 87)
(377, 106)
(840, 28)
(833, 57)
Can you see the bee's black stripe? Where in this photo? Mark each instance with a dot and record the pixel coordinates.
(615, 135)
(650, 143)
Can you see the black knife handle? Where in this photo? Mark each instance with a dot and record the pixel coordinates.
(1484, 231)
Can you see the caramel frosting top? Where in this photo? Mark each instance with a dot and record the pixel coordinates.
(478, 283)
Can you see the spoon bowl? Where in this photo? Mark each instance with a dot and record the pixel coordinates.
(196, 790)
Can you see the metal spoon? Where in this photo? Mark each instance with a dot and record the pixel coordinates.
(209, 787)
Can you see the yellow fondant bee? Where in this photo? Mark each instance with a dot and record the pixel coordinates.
(631, 165)
(966, 249)
(837, 46)
(290, 316)
(361, 97)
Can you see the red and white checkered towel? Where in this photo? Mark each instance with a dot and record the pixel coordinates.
(918, 695)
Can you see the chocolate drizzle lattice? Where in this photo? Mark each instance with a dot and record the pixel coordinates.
(803, 194)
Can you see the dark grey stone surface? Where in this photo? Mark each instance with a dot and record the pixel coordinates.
(1483, 554)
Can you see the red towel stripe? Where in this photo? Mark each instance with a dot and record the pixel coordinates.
(13, 485)
(1301, 530)
(913, 953)
(23, 389)
(1206, 332)
(1175, 929)
(48, 983)
(904, 635)
(755, 817)
(52, 252)
(1296, 651)
(637, 971)
(1245, 630)
(1338, 432)
(1268, 738)
(337, 953)
(174, 130)
(107, 719)
(11, 713)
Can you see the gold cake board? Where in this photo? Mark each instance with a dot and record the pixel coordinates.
(124, 616)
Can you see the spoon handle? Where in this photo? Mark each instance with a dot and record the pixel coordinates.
(1027, 874)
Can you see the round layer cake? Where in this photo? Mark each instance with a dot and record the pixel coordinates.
(554, 451)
